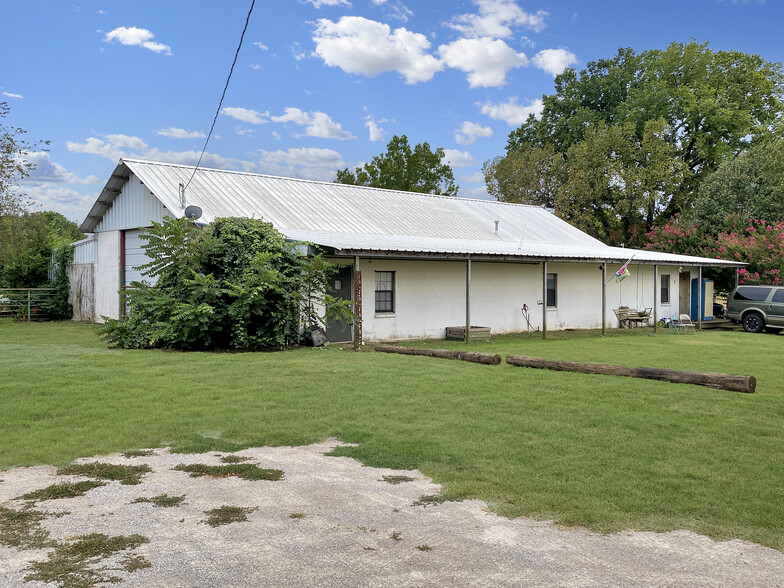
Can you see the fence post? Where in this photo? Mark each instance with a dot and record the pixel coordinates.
(28, 305)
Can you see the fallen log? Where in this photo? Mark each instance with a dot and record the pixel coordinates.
(746, 384)
(471, 356)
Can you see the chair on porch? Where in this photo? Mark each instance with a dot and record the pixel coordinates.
(677, 325)
(687, 323)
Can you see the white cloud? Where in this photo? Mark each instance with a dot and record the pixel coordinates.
(395, 9)
(554, 61)
(457, 158)
(126, 141)
(49, 172)
(476, 178)
(469, 131)
(255, 66)
(261, 46)
(479, 193)
(113, 147)
(376, 133)
(68, 202)
(242, 131)
(297, 52)
(510, 111)
(276, 135)
(308, 163)
(496, 19)
(361, 46)
(485, 60)
(246, 115)
(176, 133)
(318, 124)
(322, 3)
(96, 146)
(14, 96)
(138, 37)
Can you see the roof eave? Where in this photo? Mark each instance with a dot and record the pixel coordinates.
(109, 193)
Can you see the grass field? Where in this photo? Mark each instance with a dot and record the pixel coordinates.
(603, 452)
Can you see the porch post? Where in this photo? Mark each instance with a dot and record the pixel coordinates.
(357, 304)
(468, 301)
(544, 299)
(655, 297)
(604, 298)
(699, 299)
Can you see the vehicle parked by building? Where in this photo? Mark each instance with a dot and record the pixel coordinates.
(757, 308)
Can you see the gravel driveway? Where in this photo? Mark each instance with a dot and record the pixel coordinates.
(330, 521)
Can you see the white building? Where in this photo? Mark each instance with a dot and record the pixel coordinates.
(414, 263)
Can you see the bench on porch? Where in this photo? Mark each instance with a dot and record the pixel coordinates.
(629, 317)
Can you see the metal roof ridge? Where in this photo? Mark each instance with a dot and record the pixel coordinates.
(323, 182)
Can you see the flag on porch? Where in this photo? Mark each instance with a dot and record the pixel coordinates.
(623, 271)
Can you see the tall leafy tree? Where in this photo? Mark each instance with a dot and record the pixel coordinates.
(749, 186)
(26, 244)
(420, 169)
(638, 134)
(13, 167)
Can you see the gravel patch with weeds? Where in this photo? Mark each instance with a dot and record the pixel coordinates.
(360, 530)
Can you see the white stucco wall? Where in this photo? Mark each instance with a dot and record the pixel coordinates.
(107, 275)
(430, 295)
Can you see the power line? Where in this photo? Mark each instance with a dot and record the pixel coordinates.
(223, 95)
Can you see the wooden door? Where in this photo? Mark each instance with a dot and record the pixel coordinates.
(684, 293)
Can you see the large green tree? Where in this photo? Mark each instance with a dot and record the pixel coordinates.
(26, 244)
(685, 109)
(420, 169)
(749, 186)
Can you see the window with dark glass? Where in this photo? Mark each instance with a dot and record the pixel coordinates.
(752, 293)
(385, 291)
(665, 289)
(552, 289)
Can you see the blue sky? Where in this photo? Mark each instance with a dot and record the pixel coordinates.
(319, 84)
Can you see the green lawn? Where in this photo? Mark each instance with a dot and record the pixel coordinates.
(604, 452)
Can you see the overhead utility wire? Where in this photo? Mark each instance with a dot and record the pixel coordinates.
(226, 87)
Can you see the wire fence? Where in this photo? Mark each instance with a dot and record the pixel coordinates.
(26, 304)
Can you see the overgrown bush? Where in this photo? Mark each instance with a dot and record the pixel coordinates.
(236, 284)
(58, 307)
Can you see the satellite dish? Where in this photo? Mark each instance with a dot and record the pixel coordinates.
(193, 212)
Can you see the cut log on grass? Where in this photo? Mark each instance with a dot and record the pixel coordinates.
(732, 383)
(471, 356)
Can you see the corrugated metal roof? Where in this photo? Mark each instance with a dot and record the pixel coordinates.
(359, 219)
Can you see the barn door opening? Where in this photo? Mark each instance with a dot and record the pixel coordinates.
(340, 287)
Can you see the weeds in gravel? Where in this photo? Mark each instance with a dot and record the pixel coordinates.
(245, 470)
(396, 479)
(138, 453)
(22, 528)
(424, 547)
(297, 515)
(64, 490)
(225, 515)
(233, 458)
(162, 500)
(72, 564)
(127, 475)
(396, 536)
(429, 500)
